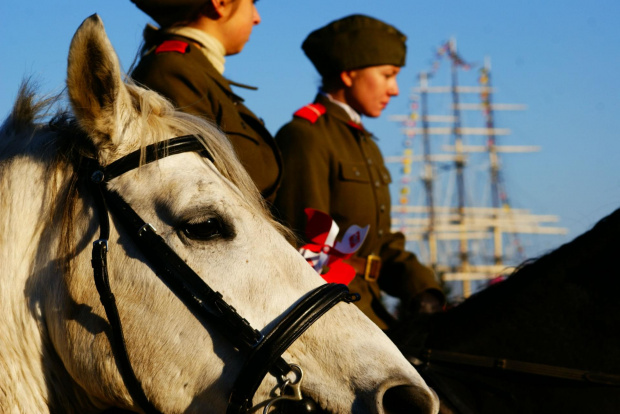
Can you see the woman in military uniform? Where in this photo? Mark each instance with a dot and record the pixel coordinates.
(184, 61)
(332, 163)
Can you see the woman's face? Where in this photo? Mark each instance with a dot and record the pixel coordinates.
(369, 90)
(239, 25)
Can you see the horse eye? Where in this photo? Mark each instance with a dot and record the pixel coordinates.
(206, 230)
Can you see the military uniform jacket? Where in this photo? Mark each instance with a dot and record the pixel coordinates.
(176, 68)
(334, 165)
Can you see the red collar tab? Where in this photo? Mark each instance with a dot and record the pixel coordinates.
(173, 46)
(311, 112)
(356, 126)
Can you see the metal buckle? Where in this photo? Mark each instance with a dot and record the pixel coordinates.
(293, 385)
(370, 266)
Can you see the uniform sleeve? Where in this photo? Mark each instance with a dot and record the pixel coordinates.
(402, 274)
(306, 176)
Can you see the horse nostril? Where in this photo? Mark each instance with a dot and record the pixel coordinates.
(407, 399)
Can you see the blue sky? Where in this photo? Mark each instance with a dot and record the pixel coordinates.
(560, 58)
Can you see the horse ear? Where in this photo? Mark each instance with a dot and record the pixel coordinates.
(98, 96)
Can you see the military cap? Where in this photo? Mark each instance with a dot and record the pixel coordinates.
(354, 42)
(168, 12)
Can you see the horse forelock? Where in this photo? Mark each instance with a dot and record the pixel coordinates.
(26, 111)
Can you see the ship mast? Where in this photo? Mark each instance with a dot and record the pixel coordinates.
(459, 165)
(434, 225)
(427, 173)
(494, 165)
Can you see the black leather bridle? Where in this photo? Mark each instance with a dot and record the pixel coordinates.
(263, 352)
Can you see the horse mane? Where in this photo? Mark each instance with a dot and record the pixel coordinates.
(63, 145)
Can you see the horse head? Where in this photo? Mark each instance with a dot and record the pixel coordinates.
(55, 350)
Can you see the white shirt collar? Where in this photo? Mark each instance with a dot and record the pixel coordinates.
(355, 117)
(212, 48)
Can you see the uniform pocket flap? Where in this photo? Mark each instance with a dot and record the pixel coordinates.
(352, 171)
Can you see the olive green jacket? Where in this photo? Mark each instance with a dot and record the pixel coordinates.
(335, 166)
(189, 80)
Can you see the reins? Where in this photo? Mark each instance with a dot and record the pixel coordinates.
(263, 353)
(429, 356)
(433, 364)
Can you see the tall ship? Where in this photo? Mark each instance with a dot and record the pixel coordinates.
(453, 203)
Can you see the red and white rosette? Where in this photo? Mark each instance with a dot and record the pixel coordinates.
(324, 253)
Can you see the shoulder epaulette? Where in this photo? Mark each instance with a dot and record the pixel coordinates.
(311, 112)
(173, 46)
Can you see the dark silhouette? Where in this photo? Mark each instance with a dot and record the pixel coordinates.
(558, 315)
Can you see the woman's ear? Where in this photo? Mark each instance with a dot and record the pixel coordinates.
(219, 8)
(347, 76)
(209, 9)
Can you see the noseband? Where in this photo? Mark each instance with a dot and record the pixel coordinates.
(263, 352)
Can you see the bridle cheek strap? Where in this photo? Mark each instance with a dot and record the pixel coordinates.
(116, 337)
(264, 353)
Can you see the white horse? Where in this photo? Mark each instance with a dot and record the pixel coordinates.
(55, 336)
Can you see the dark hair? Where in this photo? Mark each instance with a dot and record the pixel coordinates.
(331, 82)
